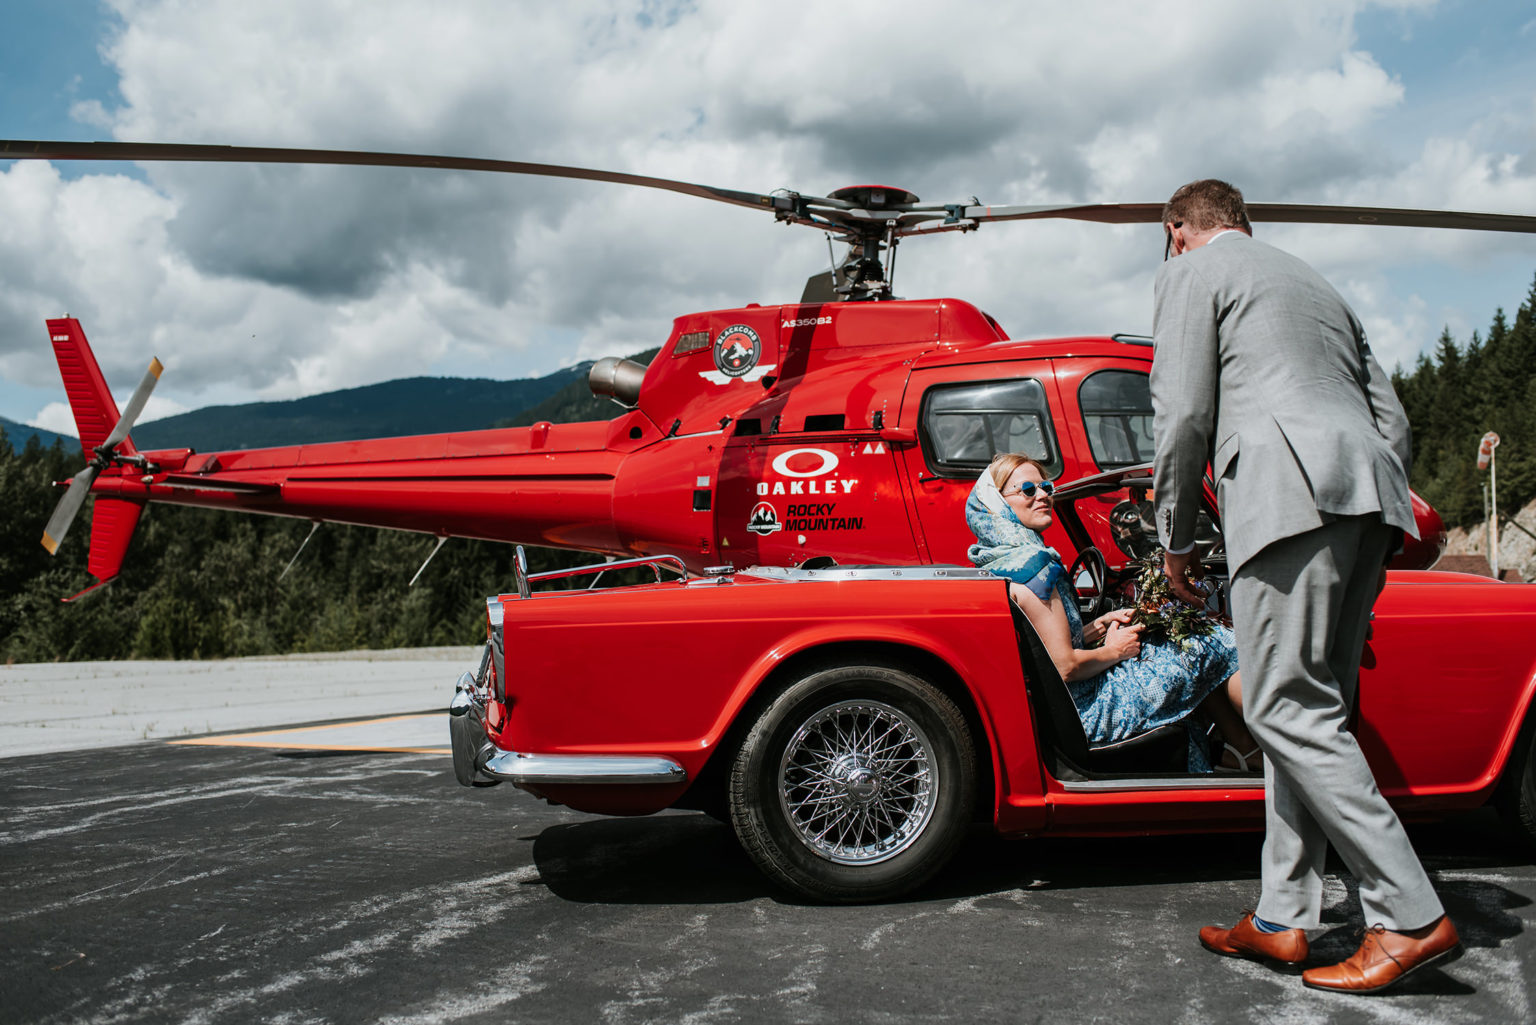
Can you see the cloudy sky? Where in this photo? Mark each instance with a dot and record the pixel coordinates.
(275, 282)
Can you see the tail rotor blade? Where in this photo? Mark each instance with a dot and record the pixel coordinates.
(64, 513)
(135, 405)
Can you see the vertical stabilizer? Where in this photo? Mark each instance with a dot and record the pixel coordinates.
(113, 521)
(89, 397)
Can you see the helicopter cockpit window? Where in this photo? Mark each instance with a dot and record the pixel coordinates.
(965, 425)
(1117, 413)
(1117, 416)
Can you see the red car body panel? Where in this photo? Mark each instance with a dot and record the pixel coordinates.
(730, 637)
(1447, 679)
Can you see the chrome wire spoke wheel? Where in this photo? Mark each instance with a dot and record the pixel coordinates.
(857, 782)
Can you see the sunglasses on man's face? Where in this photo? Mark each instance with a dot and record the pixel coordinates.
(1027, 489)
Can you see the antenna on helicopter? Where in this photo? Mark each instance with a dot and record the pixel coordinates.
(302, 545)
(441, 538)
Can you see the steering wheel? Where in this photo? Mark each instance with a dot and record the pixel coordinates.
(1091, 560)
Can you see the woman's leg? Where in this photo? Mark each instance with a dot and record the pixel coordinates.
(1225, 707)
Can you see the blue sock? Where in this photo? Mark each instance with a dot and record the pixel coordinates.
(1263, 926)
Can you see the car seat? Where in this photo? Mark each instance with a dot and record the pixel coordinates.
(1157, 752)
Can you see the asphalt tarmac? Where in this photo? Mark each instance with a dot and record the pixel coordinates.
(173, 883)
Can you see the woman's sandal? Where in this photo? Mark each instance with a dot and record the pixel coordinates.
(1242, 760)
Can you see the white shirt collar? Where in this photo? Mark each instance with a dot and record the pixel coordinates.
(1223, 234)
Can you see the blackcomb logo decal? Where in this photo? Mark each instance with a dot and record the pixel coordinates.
(737, 350)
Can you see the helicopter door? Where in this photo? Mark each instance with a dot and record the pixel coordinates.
(964, 416)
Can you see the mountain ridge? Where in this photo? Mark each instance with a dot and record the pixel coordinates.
(401, 407)
(404, 406)
(17, 434)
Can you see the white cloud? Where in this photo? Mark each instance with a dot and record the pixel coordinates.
(55, 417)
(279, 281)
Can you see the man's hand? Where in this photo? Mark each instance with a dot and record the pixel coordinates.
(1175, 568)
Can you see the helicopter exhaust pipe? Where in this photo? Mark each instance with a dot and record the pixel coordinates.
(617, 379)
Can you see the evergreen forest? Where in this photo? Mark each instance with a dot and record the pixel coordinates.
(1466, 388)
(200, 583)
(205, 584)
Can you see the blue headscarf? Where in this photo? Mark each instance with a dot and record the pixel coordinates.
(1006, 548)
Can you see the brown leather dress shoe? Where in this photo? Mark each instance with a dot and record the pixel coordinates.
(1287, 947)
(1386, 958)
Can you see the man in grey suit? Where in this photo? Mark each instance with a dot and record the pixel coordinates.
(1262, 370)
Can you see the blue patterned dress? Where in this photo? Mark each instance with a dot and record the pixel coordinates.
(1163, 686)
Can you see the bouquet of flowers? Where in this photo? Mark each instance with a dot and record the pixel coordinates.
(1159, 610)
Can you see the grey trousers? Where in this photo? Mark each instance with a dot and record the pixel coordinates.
(1300, 609)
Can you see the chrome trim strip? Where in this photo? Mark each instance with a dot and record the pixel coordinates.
(494, 613)
(1195, 783)
(832, 574)
(515, 767)
(520, 571)
(655, 562)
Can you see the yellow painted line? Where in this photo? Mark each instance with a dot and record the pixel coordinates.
(242, 741)
(322, 726)
(265, 738)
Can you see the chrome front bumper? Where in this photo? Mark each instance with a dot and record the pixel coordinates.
(479, 763)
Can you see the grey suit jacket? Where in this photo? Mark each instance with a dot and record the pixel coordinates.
(1263, 370)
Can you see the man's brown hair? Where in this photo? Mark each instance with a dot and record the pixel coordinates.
(1206, 204)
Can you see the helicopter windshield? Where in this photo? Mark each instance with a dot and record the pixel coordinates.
(967, 424)
(1117, 414)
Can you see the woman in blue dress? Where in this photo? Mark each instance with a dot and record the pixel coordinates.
(1124, 686)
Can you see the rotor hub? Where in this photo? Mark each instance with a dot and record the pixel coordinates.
(873, 197)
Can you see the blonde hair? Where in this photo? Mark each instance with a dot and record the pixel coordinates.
(1004, 463)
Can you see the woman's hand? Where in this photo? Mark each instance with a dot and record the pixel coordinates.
(1099, 627)
(1123, 641)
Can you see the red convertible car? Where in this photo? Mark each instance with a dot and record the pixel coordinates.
(852, 721)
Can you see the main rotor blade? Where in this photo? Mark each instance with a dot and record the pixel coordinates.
(797, 206)
(12, 149)
(64, 513)
(135, 405)
(1299, 213)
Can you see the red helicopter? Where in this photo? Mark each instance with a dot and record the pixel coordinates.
(846, 427)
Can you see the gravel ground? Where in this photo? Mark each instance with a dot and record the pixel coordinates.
(162, 883)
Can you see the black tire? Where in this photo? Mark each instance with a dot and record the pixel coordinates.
(870, 754)
(1516, 795)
